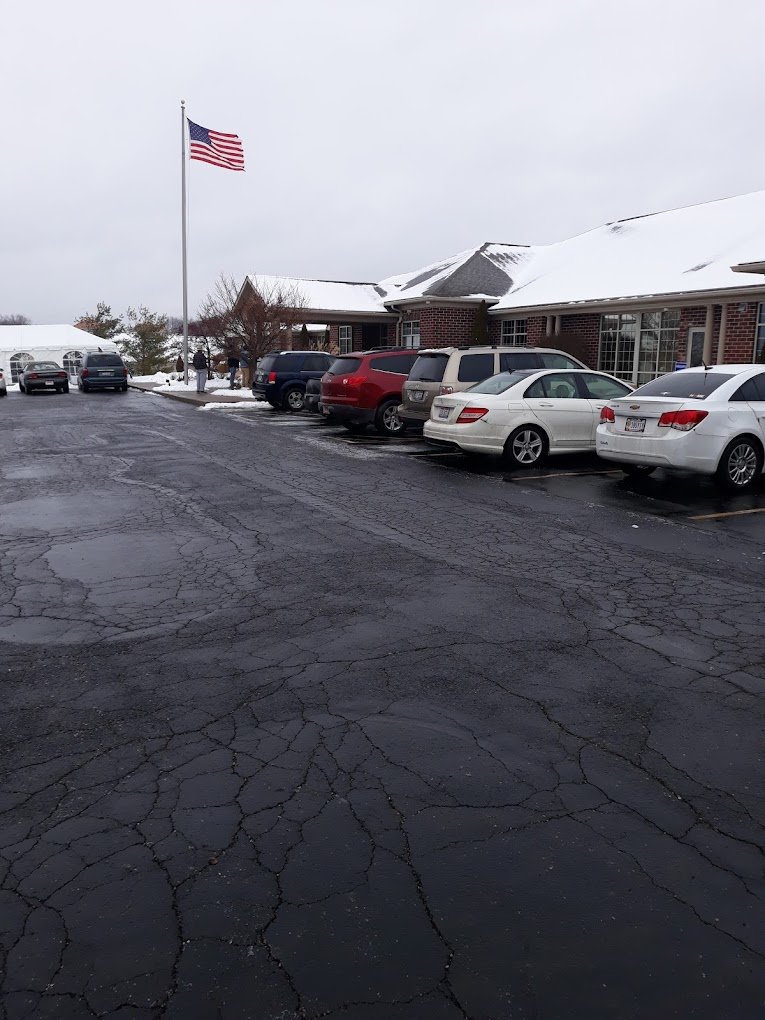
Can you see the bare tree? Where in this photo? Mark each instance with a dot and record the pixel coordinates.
(252, 320)
(15, 320)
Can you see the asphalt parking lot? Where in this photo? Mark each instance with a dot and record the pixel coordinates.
(685, 498)
(298, 725)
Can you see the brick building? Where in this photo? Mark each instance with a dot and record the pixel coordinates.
(637, 297)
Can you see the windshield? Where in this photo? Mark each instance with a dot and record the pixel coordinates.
(429, 368)
(37, 366)
(503, 381)
(104, 359)
(344, 366)
(697, 385)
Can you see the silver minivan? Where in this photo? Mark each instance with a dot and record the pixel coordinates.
(453, 369)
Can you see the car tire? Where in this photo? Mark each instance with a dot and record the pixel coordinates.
(293, 399)
(3, 393)
(638, 470)
(65, 388)
(85, 388)
(740, 465)
(354, 427)
(123, 388)
(387, 421)
(526, 447)
(21, 387)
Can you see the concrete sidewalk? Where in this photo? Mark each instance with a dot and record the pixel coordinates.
(190, 396)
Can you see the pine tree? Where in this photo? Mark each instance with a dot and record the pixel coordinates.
(145, 340)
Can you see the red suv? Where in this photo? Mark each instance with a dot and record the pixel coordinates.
(364, 388)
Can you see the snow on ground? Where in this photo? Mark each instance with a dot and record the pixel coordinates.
(244, 405)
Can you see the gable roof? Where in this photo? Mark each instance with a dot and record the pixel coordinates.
(327, 295)
(682, 251)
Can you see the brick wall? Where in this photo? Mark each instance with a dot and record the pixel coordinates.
(580, 336)
(740, 331)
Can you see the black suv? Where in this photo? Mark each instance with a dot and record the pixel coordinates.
(101, 370)
(281, 376)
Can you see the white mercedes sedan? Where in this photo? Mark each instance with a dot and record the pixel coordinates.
(706, 420)
(524, 415)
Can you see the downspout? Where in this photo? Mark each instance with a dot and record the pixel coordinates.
(708, 324)
(721, 337)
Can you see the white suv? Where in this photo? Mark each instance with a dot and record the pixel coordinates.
(446, 370)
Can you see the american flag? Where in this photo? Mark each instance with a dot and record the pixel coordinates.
(215, 147)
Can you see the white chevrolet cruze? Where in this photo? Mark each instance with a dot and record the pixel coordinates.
(524, 415)
(707, 420)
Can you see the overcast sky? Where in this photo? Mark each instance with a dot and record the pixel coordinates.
(379, 135)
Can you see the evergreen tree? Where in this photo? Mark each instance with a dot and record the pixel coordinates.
(145, 340)
(305, 343)
(481, 324)
(102, 324)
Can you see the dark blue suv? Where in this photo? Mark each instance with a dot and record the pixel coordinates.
(281, 376)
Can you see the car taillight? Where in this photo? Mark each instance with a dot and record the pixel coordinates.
(354, 380)
(443, 390)
(682, 420)
(607, 414)
(272, 377)
(124, 371)
(61, 375)
(468, 414)
(85, 373)
(31, 375)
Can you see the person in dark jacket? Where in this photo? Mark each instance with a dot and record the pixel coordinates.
(233, 368)
(199, 361)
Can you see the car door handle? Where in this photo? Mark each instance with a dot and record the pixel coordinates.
(546, 403)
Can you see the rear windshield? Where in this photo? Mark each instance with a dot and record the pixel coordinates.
(503, 381)
(104, 359)
(429, 368)
(265, 364)
(683, 384)
(344, 366)
(35, 365)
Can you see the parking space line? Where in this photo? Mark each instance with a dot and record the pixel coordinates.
(727, 513)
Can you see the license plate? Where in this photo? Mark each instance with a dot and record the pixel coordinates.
(634, 425)
(105, 373)
(49, 384)
(443, 412)
(417, 394)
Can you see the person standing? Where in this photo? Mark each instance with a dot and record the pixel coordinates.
(199, 361)
(233, 368)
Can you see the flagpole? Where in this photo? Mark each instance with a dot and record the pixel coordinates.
(183, 247)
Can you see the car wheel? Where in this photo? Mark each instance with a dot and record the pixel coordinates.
(65, 388)
(21, 387)
(293, 399)
(354, 427)
(85, 388)
(740, 464)
(387, 421)
(3, 393)
(124, 387)
(526, 447)
(638, 470)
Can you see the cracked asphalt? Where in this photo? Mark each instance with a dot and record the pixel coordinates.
(298, 728)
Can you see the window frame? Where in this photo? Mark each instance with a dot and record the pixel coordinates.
(517, 336)
(410, 331)
(343, 340)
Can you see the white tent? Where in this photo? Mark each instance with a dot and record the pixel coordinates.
(62, 344)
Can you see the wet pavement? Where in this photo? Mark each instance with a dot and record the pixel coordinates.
(297, 724)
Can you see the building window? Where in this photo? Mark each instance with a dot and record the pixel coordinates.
(17, 363)
(345, 339)
(759, 342)
(72, 361)
(639, 347)
(514, 333)
(410, 333)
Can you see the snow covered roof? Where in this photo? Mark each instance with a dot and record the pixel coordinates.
(478, 273)
(328, 295)
(683, 251)
(17, 339)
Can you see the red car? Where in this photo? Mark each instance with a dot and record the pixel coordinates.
(364, 388)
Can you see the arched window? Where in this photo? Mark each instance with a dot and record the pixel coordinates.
(17, 363)
(72, 361)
